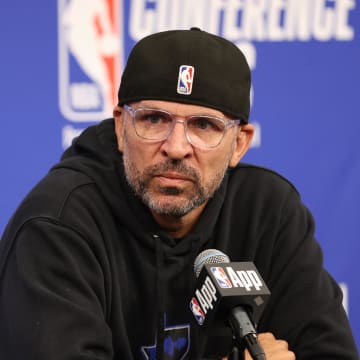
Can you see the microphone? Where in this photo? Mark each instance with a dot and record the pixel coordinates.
(229, 294)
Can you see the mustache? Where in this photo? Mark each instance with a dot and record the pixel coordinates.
(171, 165)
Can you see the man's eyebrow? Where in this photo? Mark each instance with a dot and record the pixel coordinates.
(203, 112)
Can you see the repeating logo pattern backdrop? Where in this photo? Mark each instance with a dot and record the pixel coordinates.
(61, 64)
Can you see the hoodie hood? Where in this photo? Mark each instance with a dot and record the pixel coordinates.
(95, 154)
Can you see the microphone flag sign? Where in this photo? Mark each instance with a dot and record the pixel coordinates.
(223, 286)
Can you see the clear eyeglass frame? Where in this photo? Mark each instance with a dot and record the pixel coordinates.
(213, 140)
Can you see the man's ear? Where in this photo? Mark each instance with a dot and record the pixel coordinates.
(118, 114)
(244, 136)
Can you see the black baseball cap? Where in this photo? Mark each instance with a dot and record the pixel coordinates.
(188, 66)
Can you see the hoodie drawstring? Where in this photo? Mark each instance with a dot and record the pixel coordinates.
(160, 301)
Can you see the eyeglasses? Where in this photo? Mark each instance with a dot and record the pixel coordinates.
(202, 131)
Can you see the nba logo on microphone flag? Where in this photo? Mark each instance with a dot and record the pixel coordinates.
(197, 311)
(221, 277)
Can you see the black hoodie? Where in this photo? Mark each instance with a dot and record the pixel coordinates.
(86, 272)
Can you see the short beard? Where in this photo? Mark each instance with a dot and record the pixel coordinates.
(140, 183)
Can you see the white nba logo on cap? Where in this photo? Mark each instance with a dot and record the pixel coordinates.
(185, 79)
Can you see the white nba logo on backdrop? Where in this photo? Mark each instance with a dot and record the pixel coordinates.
(90, 45)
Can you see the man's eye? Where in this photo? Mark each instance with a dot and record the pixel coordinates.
(204, 123)
(152, 118)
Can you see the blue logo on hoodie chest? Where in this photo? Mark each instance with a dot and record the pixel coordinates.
(176, 344)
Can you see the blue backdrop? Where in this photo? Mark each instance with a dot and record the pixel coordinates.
(60, 61)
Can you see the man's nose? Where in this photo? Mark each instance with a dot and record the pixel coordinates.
(177, 146)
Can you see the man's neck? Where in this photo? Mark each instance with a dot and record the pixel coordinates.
(178, 227)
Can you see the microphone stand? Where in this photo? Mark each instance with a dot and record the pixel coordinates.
(245, 333)
(234, 354)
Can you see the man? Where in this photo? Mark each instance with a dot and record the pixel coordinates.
(97, 262)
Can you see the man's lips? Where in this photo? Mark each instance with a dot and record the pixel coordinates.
(173, 178)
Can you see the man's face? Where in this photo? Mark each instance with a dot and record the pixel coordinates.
(172, 177)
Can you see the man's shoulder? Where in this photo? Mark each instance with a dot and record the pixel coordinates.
(58, 185)
(250, 176)
(46, 203)
(51, 194)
